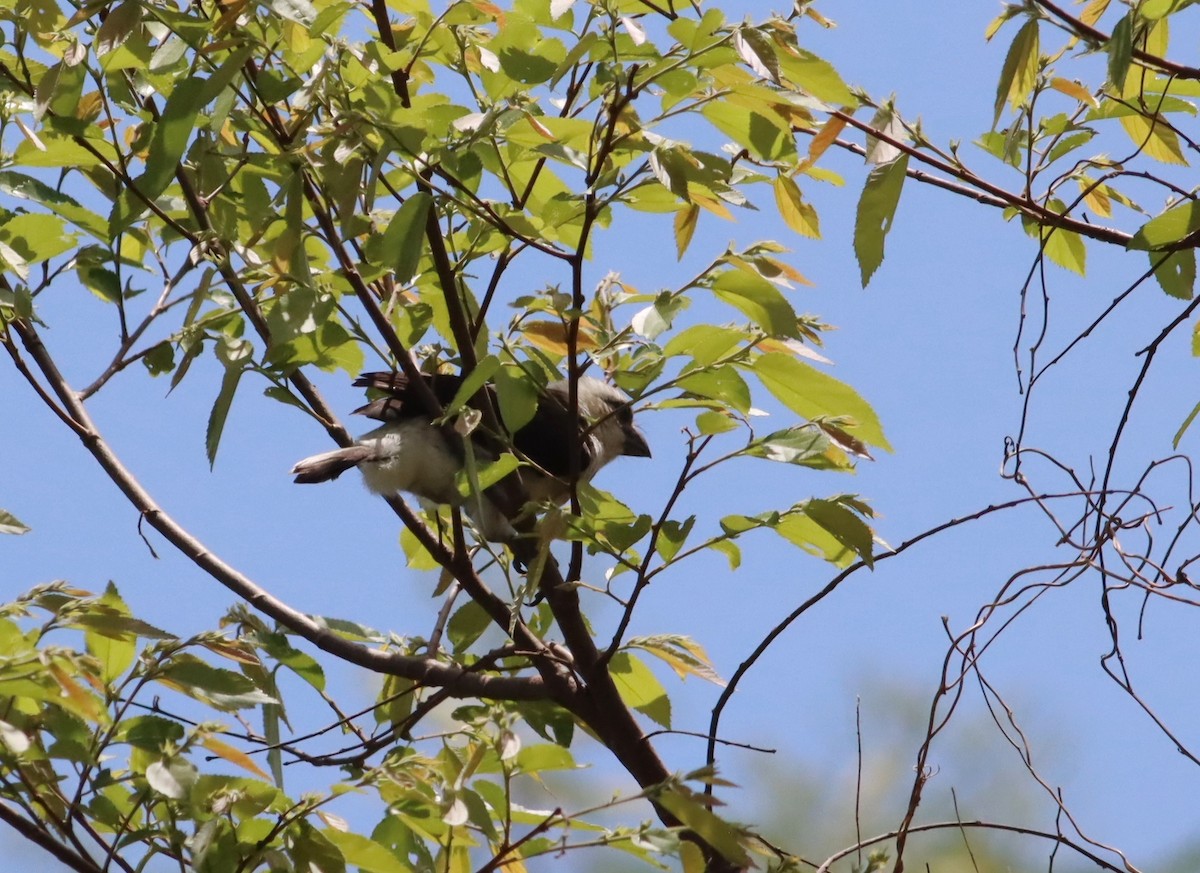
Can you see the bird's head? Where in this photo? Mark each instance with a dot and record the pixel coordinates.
(610, 417)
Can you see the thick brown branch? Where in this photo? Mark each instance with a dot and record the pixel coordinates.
(1099, 37)
(456, 680)
(39, 837)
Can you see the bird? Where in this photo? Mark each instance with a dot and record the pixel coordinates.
(410, 453)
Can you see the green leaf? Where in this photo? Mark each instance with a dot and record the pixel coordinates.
(517, 397)
(404, 239)
(1176, 272)
(1064, 247)
(36, 236)
(169, 140)
(876, 209)
(10, 524)
(303, 665)
(762, 133)
(1170, 227)
(805, 445)
(1154, 138)
(366, 854)
(640, 688)
(719, 834)
(723, 384)
(1120, 51)
(1019, 73)
(813, 394)
(28, 188)
(472, 383)
(1187, 422)
(672, 535)
(815, 76)
(758, 299)
(467, 625)
(222, 689)
(114, 651)
(843, 525)
(705, 343)
(538, 757)
(220, 412)
(711, 422)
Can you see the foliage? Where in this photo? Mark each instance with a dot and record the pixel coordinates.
(321, 186)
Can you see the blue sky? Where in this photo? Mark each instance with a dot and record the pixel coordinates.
(929, 344)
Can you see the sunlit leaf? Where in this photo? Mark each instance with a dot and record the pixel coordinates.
(813, 394)
(1019, 73)
(876, 210)
(1176, 272)
(640, 688)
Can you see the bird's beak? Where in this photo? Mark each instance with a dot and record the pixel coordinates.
(635, 444)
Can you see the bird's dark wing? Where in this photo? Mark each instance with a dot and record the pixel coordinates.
(548, 440)
(400, 401)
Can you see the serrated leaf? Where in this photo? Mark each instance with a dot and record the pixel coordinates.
(756, 50)
(876, 210)
(682, 654)
(1120, 51)
(814, 75)
(814, 394)
(220, 412)
(1019, 73)
(1172, 226)
(1176, 272)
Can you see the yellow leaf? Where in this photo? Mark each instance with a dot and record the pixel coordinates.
(539, 127)
(800, 216)
(1091, 14)
(685, 226)
(716, 207)
(824, 138)
(552, 337)
(1096, 197)
(82, 701)
(233, 756)
(296, 35)
(1074, 89)
(1154, 138)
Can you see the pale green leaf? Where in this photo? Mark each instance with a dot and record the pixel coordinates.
(1019, 73)
(814, 394)
(1176, 272)
(640, 688)
(876, 210)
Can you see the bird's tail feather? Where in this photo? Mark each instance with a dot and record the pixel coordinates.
(330, 465)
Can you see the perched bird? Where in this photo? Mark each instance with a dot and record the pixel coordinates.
(409, 453)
